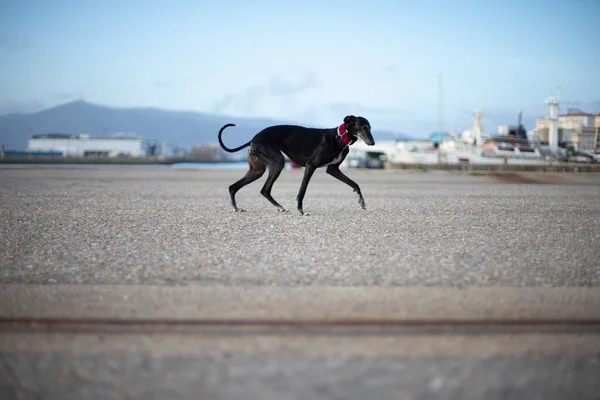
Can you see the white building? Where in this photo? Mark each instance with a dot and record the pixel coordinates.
(575, 127)
(82, 145)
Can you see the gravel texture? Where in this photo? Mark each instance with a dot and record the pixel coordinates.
(170, 226)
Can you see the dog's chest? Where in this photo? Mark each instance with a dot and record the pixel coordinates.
(337, 159)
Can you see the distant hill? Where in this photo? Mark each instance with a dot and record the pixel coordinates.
(178, 128)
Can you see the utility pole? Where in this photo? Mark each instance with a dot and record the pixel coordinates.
(439, 118)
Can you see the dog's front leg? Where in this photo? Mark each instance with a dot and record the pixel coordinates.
(308, 173)
(334, 170)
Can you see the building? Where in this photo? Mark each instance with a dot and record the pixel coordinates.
(576, 128)
(503, 130)
(210, 153)
(82, 145)
(597, 134)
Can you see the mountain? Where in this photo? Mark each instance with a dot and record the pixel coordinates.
(178, 128)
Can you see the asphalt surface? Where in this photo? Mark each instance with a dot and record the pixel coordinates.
(246, 377)
(130, 243)
(297, 303)
(162, 226)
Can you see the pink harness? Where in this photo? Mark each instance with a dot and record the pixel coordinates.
(343, 134)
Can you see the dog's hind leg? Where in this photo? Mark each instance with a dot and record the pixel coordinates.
(275, 163)
(257, 169)
(334, 170)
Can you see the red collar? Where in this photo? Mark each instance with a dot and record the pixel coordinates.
(344, 137)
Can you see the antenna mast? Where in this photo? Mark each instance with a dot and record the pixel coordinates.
(439, 118)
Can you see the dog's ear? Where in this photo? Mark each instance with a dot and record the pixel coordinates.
(350, 119)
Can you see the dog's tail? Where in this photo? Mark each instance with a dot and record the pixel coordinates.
(227, 148)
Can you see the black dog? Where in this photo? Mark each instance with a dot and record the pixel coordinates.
(308, 147)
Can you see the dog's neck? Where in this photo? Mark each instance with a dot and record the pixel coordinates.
(344, 136)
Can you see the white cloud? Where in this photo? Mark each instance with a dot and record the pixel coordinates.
(268, 98)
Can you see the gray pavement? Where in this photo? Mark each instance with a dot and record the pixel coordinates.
(293, 303)
(340, 377)
(162, 226)
(161, 243)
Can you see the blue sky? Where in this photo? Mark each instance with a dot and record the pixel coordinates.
(311, 62)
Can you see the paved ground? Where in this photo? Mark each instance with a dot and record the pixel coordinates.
(289, 303)
(176, 226)
(146, 243)
(233, 364)
(246, 377)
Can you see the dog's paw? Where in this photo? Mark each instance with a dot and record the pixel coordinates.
(239, 210)
(283, 210)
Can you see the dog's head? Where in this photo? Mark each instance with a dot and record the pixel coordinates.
(359, 127)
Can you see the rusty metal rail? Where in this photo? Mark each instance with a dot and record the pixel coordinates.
(331, 327)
